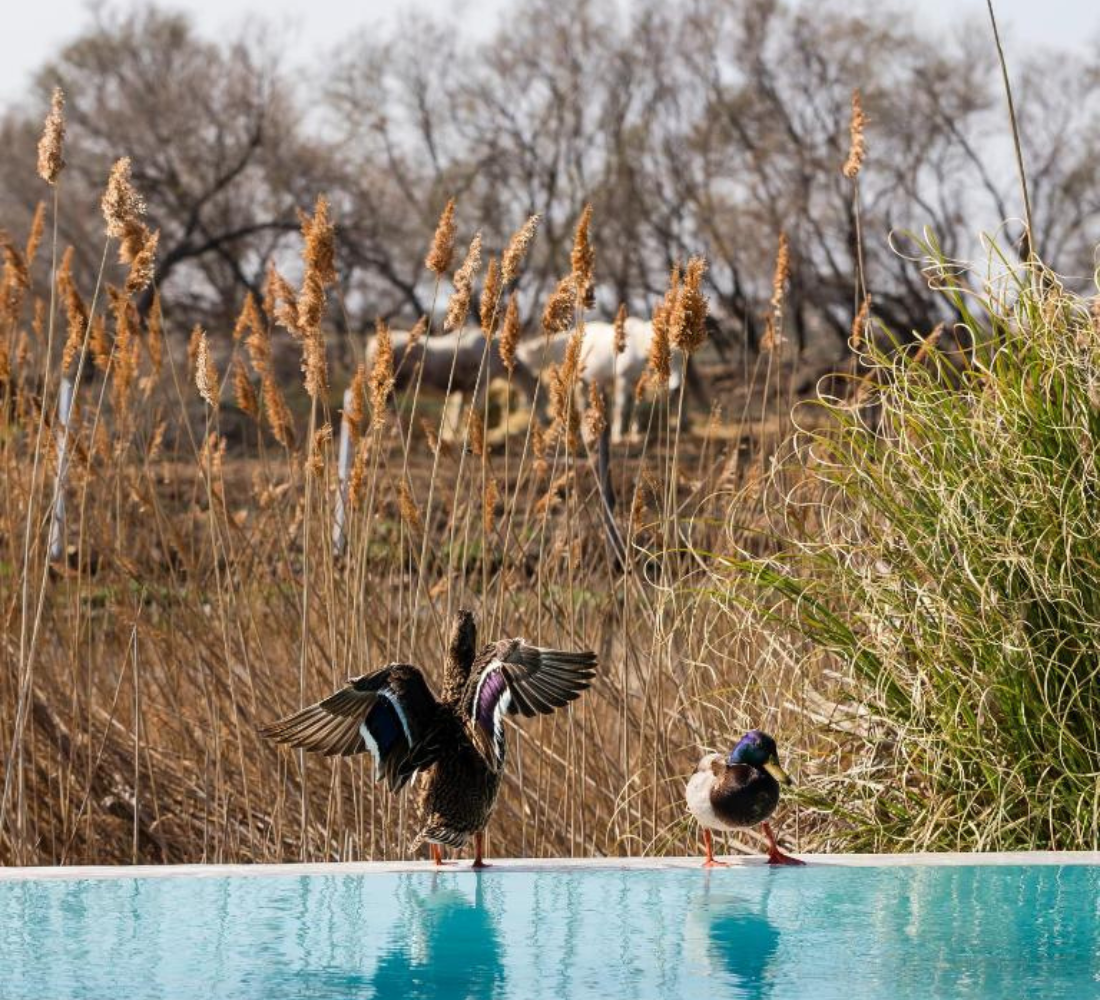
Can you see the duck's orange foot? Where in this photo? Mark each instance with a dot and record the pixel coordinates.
(437, 857)
(479, 851)
(712, 863)
(779, 858)
(775, 855)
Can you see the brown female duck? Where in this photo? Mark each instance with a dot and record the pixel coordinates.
(456, 740)
(737, 791)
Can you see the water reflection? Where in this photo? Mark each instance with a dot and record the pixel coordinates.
(730, 938)
(830, 933)
(444, 945)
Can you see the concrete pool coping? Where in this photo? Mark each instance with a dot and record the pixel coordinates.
(78, 872)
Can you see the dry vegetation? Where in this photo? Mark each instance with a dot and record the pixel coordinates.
(196, 587)
(203, 543)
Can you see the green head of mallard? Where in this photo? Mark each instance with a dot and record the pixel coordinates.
(758, 749)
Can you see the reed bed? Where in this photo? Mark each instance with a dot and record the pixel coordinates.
(204, 529)
(191, 550)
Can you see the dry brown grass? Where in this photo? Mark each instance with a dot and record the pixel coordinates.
(201, 595)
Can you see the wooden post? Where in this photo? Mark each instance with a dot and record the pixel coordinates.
(57, 518)
(339, 525)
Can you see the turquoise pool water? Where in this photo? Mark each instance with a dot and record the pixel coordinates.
(817, 933)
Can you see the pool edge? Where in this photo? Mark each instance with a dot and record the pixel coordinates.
(76, 872)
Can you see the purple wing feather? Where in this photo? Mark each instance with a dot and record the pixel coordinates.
(514, 677)
(488, 697)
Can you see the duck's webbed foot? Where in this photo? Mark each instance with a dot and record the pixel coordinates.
(775, 855)
(479, 845)
(437, 856)
(710, 861)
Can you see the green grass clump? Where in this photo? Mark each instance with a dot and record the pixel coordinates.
(942, 542)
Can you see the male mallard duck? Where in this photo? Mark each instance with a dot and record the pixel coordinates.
(457, 740)
(739, 790)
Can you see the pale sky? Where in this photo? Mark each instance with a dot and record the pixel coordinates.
(34, 29)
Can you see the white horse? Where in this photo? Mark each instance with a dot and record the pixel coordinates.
(451, 360)
(618, 373)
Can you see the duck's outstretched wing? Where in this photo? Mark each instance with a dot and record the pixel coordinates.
(390, 714)
(513, 677)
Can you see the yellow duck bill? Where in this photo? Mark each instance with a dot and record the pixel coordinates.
(776, 771)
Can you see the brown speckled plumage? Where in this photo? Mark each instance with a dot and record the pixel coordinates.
(455, 743)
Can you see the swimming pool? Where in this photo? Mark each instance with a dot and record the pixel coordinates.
(525, 932)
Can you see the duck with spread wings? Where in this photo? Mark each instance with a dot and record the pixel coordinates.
(457, 741)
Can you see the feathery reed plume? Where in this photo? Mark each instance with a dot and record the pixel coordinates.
(512, 258)
(270, 301)
(38, 321)
(143, 265)
(553, 495)
(571, 364)
(489, 501)
(620, 329)
(278, 413)
(16, 279)
(490, 297)
(99, 344)
(356, 411)
(319, 255)
(442, 250)
(315, 462)
(416, 334)
(688, 322)
(857, 146)
(475, 432)
(407, 506)
(156, 443)
(34, 237)
(659, 368)
(769, 341)
(101, 442)
(360, 471)
(123, 208)
(859, 324)
(154, 338)
(125, 347)
(244, 393)
(429, 434)
(193, 348)
(50, 147)
(563, 403)
(509, 336)
(583, 260)
(76, 312)
(459, 305)
(206, 375)
(561, 307)
(781, 276)
(280, 301)
(381, 374)
(248, 319)
(258, 344)
(929, 343)
(541, 466)
(212, 460)
(595, 416)
(773, 338)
